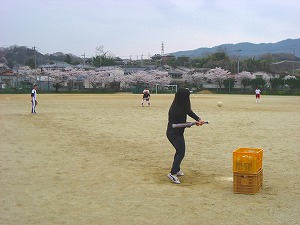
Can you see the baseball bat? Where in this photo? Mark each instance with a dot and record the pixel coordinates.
(188, 124)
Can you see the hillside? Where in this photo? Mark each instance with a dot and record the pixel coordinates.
(246, 49)
(15, 56)
(289, 49)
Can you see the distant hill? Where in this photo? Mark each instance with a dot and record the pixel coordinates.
(245, 49)
(21, 55)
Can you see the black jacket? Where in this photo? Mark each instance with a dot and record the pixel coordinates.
(180, 108)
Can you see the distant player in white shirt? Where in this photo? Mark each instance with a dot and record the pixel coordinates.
(146, 97)
(257, 95)
(33, 99)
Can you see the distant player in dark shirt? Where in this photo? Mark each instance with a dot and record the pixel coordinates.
(146, 97)
(180, 108)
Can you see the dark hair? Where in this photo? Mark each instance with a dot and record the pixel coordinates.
(182, 99)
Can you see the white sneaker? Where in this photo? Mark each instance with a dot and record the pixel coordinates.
(173, 178)
(180, 173)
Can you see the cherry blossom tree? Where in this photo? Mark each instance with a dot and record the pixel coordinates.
(58, 77)
(137, 78)
(115, 78)
(72, 76)
(158, 77)
(245, 78)
(92, 78)
(98, 79)
(195, 79)
(27, 72)
(26, 76)
(148, 78)
(289, 77)
(217, 76)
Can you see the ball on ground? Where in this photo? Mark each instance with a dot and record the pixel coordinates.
(219, 104)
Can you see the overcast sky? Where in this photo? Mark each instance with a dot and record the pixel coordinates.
(134, 27)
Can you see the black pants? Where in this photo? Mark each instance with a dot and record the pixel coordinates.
(179, 144)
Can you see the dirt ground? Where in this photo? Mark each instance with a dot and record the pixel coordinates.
(103, 159)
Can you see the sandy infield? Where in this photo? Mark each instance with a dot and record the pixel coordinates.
(103, 159)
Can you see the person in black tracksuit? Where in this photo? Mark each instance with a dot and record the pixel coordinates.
(180, 108)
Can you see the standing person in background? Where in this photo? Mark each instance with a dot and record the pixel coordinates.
(257, 95)
(33, 99)
(180, 108)
(146, 97)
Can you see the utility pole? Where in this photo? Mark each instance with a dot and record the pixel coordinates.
(142, 63)
(293, 62)
(238, 69)
(34, 56)
(34, 52)
(83, 59)
(130, 61)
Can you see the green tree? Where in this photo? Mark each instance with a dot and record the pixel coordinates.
(251, 65)
(173, 61)
(266, 66)
(294, 84)
(57, 86)
(183, 61)
(229, 83)
(198, 62)
(103, 60)
(245, 82)
(218, 59)
(218, 56)
(68, 59)
(258, 82)
(30, 62)
(275, 83)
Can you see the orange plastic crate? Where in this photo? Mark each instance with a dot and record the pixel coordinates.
(247, 183)
(247, 160)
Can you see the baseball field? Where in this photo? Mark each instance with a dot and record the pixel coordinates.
(103, 159)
